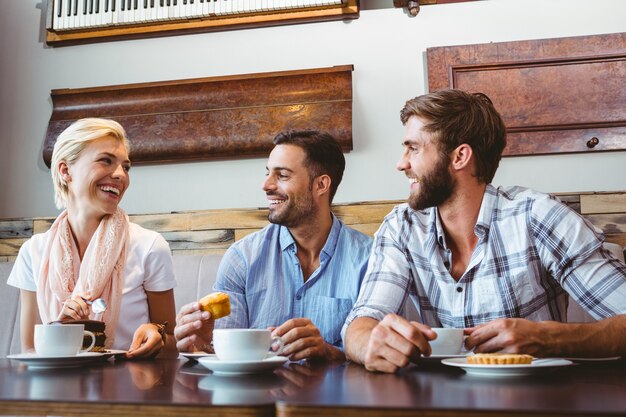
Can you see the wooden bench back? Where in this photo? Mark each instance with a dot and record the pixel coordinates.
(213, 231)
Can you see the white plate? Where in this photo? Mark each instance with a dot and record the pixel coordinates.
(241, 367)
(194, 356)
(40, 362)
(611, 358)
(537, 365)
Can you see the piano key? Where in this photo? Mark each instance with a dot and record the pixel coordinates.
(191, 9)
(56, 14)
(128, 12)
(185, 9)
(90, 17)
(73, 12)
(115, 11)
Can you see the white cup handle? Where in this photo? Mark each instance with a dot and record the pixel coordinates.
(93, 341)
(281, 344)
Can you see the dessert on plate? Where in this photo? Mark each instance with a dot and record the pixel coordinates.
(499, 359)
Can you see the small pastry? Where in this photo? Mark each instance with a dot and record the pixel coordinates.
(216, 303)
(499, 359)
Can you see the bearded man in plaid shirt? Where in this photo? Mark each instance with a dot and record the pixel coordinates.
(502, 263)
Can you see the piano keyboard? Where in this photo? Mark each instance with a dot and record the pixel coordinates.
(68, 15)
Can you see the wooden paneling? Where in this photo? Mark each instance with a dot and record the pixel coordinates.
(555, 95)
(213, 118)
(603, 203)
(213, 231)
(16, 229)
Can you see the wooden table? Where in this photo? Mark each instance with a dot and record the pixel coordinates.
(590, 389)
(177, 387)
(121, 388)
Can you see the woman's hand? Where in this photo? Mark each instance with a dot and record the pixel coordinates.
(75, 308)
(147, 342)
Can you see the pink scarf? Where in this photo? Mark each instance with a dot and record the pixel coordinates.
(100, 273)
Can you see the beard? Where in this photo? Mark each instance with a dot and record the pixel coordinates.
(434, 188)
(294, 212)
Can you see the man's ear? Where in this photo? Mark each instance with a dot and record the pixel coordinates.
(462, 157)
(322, 185)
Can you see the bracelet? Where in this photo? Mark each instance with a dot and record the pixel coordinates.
(161, 329)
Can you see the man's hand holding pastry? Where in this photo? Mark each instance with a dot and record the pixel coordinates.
(195, 322)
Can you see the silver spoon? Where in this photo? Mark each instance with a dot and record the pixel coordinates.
(98, 305)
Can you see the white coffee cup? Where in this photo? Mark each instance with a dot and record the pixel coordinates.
(449, 341)
(54, 340)
(244, 344)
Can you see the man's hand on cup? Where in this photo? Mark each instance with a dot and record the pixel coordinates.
(509, 335)
(194, 329)
(395, 342)
(303, 340)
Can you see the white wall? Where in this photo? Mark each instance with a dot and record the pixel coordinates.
(386, 48)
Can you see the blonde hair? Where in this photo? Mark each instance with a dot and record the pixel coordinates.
(71, 143)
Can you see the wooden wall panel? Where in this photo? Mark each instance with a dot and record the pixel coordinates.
(555, 95)
(213, 118)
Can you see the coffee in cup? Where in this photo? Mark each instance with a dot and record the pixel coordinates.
(244, 344)
(449, 341)
(54, 340)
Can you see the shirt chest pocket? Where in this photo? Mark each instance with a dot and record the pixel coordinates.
(328, 314)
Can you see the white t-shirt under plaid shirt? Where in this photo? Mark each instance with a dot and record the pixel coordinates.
(532, 250)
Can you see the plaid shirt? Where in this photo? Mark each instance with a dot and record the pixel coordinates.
(532, 251)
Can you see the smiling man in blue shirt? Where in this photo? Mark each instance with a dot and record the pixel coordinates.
(301, 274)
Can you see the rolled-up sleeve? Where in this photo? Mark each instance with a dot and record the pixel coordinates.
(388, 279)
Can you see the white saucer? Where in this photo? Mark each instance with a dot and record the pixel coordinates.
(115, 353)
(537, 365)
(438, 357)
(194, 356)
(45, 362)
(241, 367)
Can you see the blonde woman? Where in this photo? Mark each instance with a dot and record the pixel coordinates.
(93, 251)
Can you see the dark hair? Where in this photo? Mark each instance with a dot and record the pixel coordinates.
(323, 154)
(455, 117)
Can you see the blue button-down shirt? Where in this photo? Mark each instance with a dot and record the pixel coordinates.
(262, 275)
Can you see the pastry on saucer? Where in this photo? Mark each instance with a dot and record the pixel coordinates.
(499, 359)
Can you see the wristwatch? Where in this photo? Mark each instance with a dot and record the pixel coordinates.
(161, 329)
